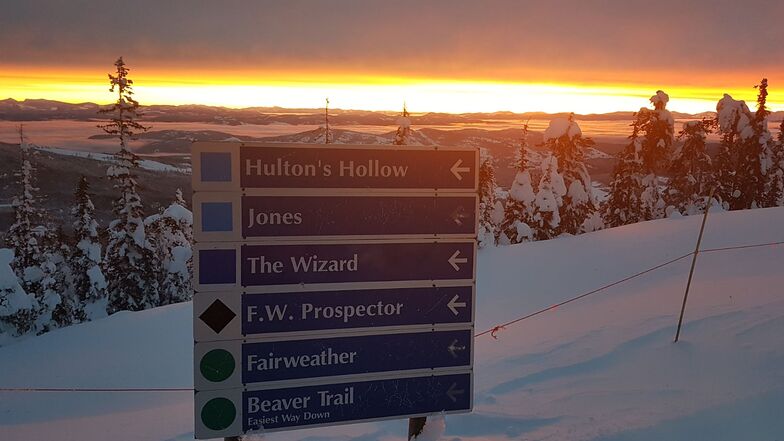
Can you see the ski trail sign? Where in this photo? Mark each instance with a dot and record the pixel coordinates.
(327, 278)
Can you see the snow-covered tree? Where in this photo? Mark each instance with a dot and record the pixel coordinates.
(36, 248)
(71, 308)
(655, 150)
(55, 307)
(88, 280)
(564, 139)
(733, 119)
(487, 200)
(404, 128)
(24, 235)
(549, 200)
(17, 308)
(761, 155)
(171, 234)
(691, 171)
(634, 189)
(128, 268)
(623, 205)
(775, 191)
(519, 208)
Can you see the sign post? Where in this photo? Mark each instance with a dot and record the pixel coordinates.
(333, 284)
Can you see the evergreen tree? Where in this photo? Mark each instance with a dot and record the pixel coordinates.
(36, 249)
(53, 309)
(775, 192)
(563, 138)
(487, 200)
(549, 200)
(655, 150)
(634, 190)
(70, 310)
(761, 155)
(171, 233)
(327, 131)
(404, 128)
(128, 263)
(24, 235)
(88, 280)
(691, 171)
(733, 119)
(519, 207)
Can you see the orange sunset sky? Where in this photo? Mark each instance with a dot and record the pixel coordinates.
(446, 56)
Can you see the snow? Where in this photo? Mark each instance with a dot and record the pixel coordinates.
(179, 263)
(521, 189)
(577, 192)
(660, 98)
(12, 295)
(603, 368)
(97, 278)
(561, 126)
(734, 115)
(178, 213)
(433, 430)
(91, 249)
(523, 230)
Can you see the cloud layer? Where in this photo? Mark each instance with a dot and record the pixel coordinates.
(639, 41)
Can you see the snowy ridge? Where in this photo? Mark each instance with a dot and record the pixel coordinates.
(143, 163)
(603, 368)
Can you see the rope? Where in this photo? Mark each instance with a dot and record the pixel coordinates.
(492, 331)
(497, 328)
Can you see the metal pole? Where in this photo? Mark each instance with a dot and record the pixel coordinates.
(415, 427)
(693, 263)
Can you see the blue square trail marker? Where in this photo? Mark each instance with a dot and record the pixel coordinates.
(217, 267)
(215, 167)
(334, 284)
(217, 216)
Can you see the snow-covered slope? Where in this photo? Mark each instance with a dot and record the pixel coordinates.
(601, 368)
(144, 163)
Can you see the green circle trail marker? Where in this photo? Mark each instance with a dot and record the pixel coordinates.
(218, 413)
(217, 365)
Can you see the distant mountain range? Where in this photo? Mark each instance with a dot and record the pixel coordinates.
(42, 110)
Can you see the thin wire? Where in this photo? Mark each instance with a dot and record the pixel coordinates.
(602, 288)
(491, 331)
(741, 247)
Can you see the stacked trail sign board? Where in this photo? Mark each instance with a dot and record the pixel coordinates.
(334, 284)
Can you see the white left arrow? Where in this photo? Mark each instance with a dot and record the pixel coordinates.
(457, 170)
(453, 348)
(454, 304)
(453, 392)
(455, 259)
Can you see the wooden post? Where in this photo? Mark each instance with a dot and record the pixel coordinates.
(415, 427)
(693, 263)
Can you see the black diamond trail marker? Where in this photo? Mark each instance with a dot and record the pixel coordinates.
(217, 316)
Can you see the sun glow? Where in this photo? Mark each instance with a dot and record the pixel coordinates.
(367, 92)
